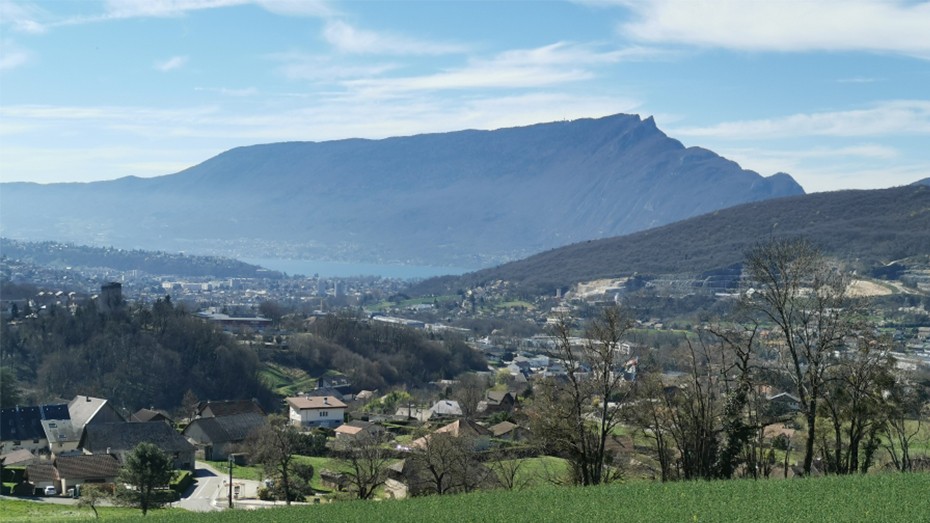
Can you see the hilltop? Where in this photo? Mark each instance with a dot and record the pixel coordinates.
(466, 198)
(865, 228)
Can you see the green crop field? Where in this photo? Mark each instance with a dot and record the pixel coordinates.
(873, 498)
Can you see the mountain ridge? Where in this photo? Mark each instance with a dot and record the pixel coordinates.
(466, 198)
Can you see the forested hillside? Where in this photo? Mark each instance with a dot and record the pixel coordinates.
(143, 357)
(864, 228)
(55, 254)
(136, 357)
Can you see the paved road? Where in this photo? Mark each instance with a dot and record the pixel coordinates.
(203, 496)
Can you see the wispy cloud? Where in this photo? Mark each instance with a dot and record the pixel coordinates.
(170, 64)
(225, 91)
(828, 25)
(12, 56)
(891, 117)
(319, 68)
(350, 39)
(22, 18)
(550, 65)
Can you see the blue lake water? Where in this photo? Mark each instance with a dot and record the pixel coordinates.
(330, 269)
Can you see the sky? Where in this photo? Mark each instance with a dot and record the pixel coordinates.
(835, 93)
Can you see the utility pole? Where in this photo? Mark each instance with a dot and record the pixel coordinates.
(230, 481)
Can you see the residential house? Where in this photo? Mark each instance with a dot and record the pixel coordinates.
(61, 435)
(508, 431)
(358, 429)
(120, 438)
(461, 428)
(21, 427)
(316, 411)
(444, 409)
(42, 473)
(74, 471)
(218, 436)
(212, 409)
(497, 401)
(17, 458)
(783, 404)
(146, 415)
(410, 412)
(86, 410)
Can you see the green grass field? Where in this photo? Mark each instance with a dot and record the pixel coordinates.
(14, 510)
(873, 498)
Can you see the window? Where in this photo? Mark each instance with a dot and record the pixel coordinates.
(324, 413)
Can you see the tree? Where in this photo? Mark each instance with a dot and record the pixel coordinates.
(575, 417)
(147, 469)
(274, 446)
(854, 405)
(92, 495)
(469, 391)
(804, 298)
(10, 394)
(365, 461)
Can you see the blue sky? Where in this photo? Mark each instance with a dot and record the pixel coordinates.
(836, 93)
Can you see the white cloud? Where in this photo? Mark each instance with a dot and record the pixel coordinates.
(891, 117)
(175, 62)
(22, 18)
(318, 68)
(349, 39)
(162, 8)
(550, 65)
(827, 25)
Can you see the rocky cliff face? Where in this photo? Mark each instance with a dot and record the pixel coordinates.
(467, 198)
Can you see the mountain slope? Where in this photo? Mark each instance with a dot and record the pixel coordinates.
(865, 228)
(468, 198)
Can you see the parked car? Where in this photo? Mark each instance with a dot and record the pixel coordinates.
(51, 491)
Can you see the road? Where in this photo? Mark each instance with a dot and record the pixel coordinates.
(207, 493)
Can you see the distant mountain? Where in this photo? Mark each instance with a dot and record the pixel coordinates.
(864, 228)
(467, 198)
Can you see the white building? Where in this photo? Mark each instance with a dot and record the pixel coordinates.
(316, 411)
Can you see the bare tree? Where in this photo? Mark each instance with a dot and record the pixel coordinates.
(805, 300)
(577, 415)
(274, 446)
(469, 391)
(366, 462)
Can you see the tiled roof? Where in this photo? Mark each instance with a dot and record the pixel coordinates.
(223, 429)
(88, 467)
(40, 471)
(315, 402)
(123, 437)
(228, 408)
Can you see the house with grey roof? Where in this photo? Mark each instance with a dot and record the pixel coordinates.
(61, 435)
(216, 437)
(120, 438)
(21, 427)
(85, 410)
(212, 409)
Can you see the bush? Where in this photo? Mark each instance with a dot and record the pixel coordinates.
(182, 481)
